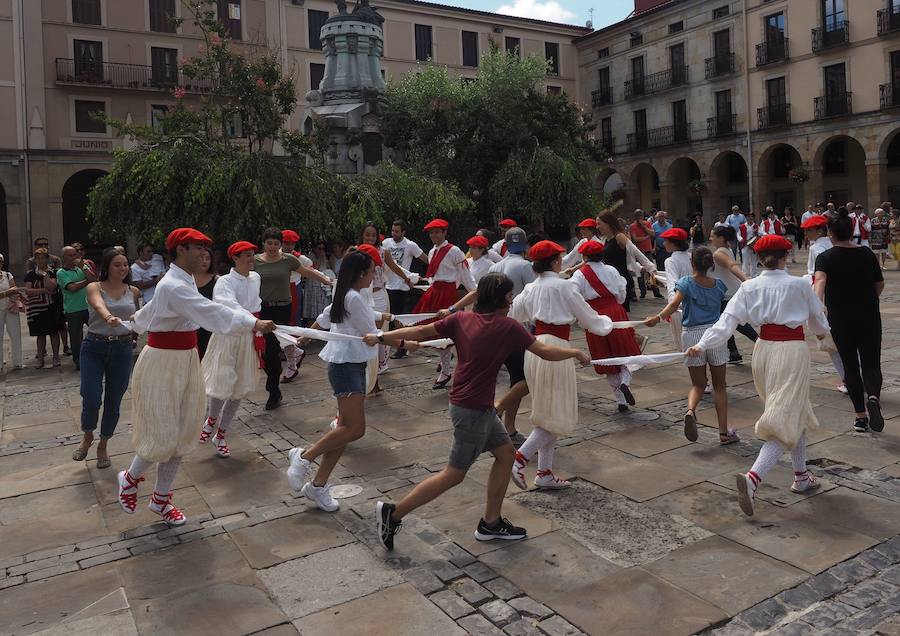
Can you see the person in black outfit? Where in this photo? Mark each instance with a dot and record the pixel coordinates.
(849, 279)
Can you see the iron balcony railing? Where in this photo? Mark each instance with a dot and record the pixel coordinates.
(602, 96)
(773, 51)
(831, 36)
(835, 105)
(608, 144)
(890, 96)
(136, 76)
(659, 137)
(656, 82)
(888, 21)
(774, 116)
(721, 125)
(719, 65)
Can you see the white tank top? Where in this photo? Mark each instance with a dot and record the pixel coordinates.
(725, 275)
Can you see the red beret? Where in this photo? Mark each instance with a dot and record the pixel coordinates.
(816, 220)
(545, 249)
(185, 236)
(675, 234)
(772, 243)
(591, 247)
(437, 224)
(588, 223)
(508, 223)
(478, 241)
(240, 246)
(372, 251)
(289, 236)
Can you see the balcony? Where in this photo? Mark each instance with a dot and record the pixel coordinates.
(135, 76)
(836, 105)
(888, 21)
(890, 97)
(656, 82)
(777, 116)
(719, 65)
(774, 51)
(659, 137)
(831, 36)
(602, 96)
(721, 125)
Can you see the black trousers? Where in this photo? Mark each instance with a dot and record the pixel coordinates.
(281, 315)
(859, 345)
(399, 301)
(76, 322)
(746, 330)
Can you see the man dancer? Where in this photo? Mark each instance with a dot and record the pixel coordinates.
(403, 251)
(770, 223)
(862, 224)
(747, 236)
(500, 246)
(166, 385)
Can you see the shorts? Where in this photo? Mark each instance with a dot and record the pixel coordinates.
(347, 378)
(474, 432)
(714, 357)
(515, 365)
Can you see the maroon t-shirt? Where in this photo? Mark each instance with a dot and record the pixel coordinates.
(483, 342)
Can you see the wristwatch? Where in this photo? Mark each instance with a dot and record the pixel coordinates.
(452, 309)
(380, 335)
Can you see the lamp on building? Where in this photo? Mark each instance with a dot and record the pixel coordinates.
(498, 29)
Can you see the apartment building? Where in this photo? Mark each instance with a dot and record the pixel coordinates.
(66, 59)
(749, 102)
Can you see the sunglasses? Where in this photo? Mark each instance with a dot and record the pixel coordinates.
(42, 244)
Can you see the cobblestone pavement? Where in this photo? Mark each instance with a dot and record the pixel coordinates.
(648, 541)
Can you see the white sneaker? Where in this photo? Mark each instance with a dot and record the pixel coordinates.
(334, 424)
(746, 492)
(321, 495)
(842, 388)
(518, 471)
(707, 389)
(546, 479)
(297, 471)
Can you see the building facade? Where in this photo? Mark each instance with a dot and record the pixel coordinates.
(66, 59)
(750, 102)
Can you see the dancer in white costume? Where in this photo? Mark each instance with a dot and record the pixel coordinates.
(677, 266)
(479, 263)
(781, 304)
(167, 385)
(231, 364)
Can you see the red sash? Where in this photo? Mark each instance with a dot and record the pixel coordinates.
(259, 344)
(780, 333)
(176, 340)
(594, 281)
(560, 331)
(435, 261)
(503, 249)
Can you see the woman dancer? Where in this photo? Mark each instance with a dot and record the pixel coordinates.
(604, 290)
(617, 250)
(677, 266)
(231, 365)
(700, 297)
(479, 263)
(206, 282)
(587, 231)
(552, 304)
(727, 270)
(781, 304)
(348, 314)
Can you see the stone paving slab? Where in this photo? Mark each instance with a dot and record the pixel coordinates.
(30, 535)
(280, 540)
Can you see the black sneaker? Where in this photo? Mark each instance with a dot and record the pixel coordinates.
(735, 358)
(876, 421)
(861, 425)
(629, 396)
(273, 402)
(399, 354)
(656, 294)
(503, 529)
(623, 408)
(387, 527)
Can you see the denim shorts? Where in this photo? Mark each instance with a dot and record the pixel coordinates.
(474, 432)
(347, 378)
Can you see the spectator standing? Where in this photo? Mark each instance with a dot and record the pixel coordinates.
(54, 262)
(147, 271)
(10, 308)
(894, 229)
(40, 286)
(82, 254)
(205, 277)
(879, 236)
(644, 238)
(697, 231)
(661, 225)
(720, 220)
(73, 278)
(736, 219)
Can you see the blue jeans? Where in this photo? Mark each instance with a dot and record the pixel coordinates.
(109, 362)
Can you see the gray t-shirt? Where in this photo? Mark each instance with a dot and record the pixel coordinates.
(517, 269)
(122, 308)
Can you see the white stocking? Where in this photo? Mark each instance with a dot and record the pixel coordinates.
(214, 408)
(545, 455)
(165, 475)
(768, 456)
(228, 412)
(139, 466)
(538, 439)
(798, 455)
(447, 361)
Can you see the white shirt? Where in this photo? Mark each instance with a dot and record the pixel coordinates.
(238, 291)
(636, 260)
(178, 306)
(453, 267)
(768, 226)
(677, 266)
(479, 267)
(403, 252)
(608, 275)
(867, 224)
(806, 216)
(556, 301)
(493, 255)
(821, 244)
(358, 321)
(573, 258)
(306, 262)
(772, 298)
(720, 224)
(517, 269)
(139, 274)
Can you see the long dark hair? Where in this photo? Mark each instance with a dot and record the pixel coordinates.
(492, 291)
(612, 221)
(702, 260)
(726, 232)
(354, 265)
(106, 261)
(841, 227)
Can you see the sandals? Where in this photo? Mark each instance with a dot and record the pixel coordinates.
(730, 437)
(690, 425)
(441, 383)
(104, 462)
(208, 429)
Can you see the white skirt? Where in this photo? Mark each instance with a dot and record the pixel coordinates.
(230, 367)
(781, 376)
(168, 403)
(554, 392)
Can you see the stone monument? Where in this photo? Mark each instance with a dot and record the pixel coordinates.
(350, 98)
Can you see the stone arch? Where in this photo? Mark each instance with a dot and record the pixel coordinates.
(728, 182)
(642, 188)
(889, 156)
(682, 203)
(610, 182)
(774, 185)
(842, 162)
(75, 191)
(4, 228)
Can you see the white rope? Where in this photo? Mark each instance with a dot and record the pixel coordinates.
(640, 360)
(288, 336)
(411, 319)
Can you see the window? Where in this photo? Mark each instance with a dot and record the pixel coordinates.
(637, 76)
(230, 15)
(316, 73)
(423, 42)
(606, 136)
(603, 78)
(636, 39)
(723, 106)
(836, 90)
(88, 60)
(554, 90)
(676, 63)
(774, 29)
(514, 45)
(679, 120)
(84, 120)
(551, 53)
(776, 101)
(469, 48)
(157, 114)
(315, 20)
(162, 13)
(720, 12)
(602, 53)
(86, 11)
(721, 43)
(164, 63)
(833, 14)
(640, 128)
(676, 27)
